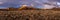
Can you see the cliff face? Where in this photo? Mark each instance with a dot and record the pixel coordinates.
(23, 8)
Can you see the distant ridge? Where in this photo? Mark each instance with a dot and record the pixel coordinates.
(28, 8)
(56, 9)
(24, 8)
(7, 9)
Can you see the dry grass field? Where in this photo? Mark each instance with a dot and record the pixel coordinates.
(30, 15)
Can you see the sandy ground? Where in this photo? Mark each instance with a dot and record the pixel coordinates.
(30, 15)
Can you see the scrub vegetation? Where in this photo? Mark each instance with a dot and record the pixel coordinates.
(30, 15)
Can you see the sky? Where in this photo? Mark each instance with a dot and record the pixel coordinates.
(18, 3)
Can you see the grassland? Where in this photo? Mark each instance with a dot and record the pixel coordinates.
(30, 15)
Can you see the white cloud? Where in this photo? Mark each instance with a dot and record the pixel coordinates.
(58, 3)
(1, 2)
(48, 6)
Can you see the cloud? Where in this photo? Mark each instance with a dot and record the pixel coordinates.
(58, 3)
(46, 6)
(36, 3)
(1, 2)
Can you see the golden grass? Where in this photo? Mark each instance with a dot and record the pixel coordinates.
(30, 15)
